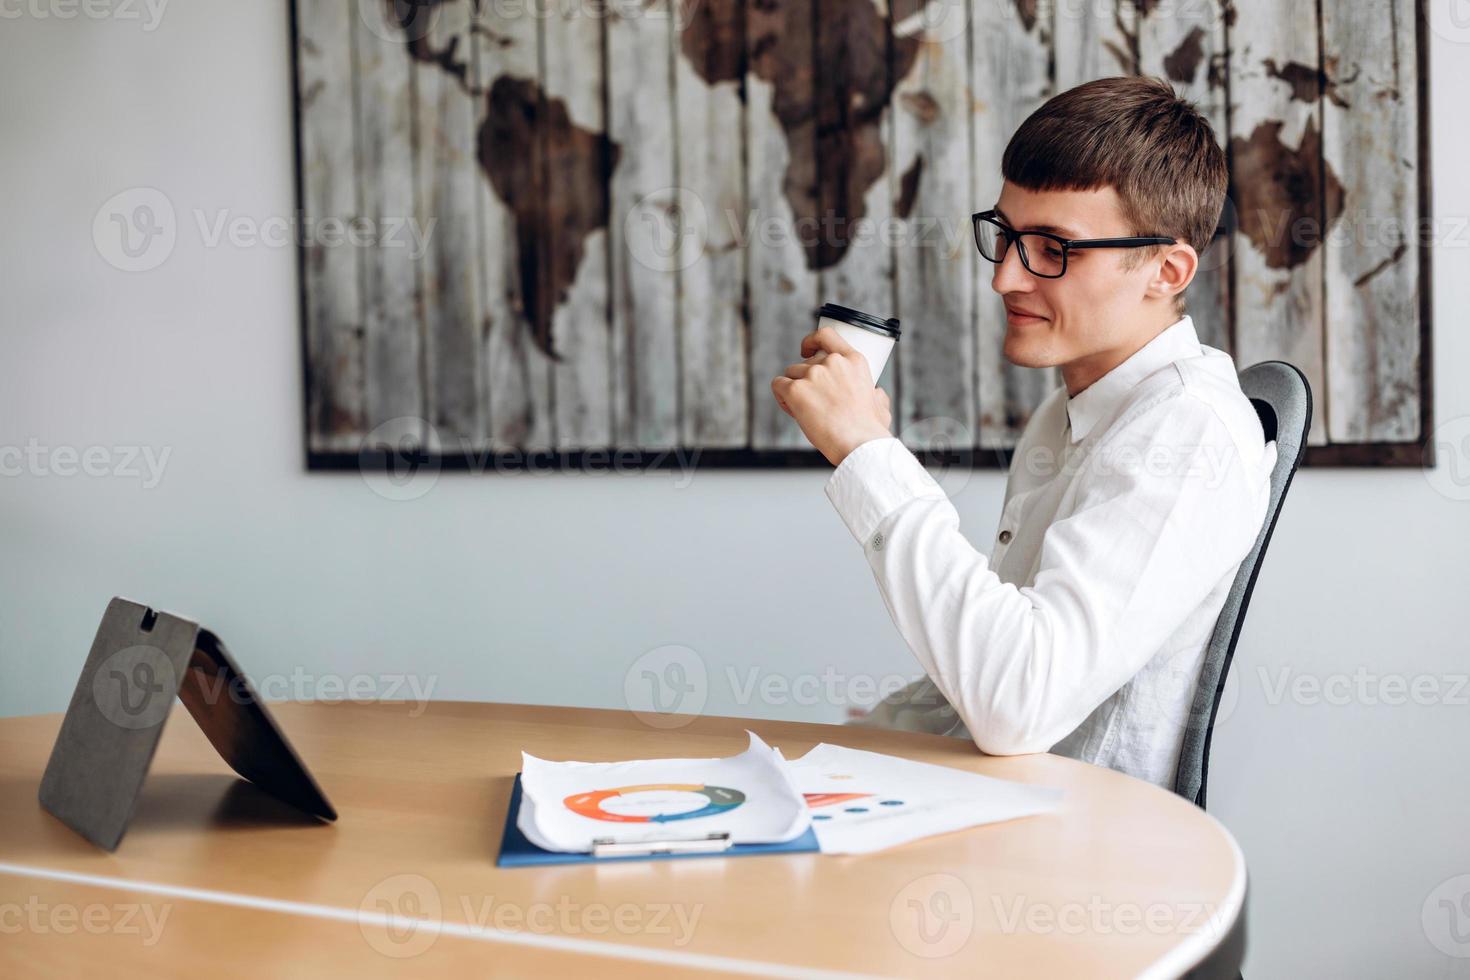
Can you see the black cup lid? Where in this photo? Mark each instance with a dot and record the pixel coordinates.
(888, 327)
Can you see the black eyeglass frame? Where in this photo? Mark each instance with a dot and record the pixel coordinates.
(1009, 235)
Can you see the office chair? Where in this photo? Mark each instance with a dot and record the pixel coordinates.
(1283, 400)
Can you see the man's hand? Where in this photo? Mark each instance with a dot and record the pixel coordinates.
(831, 395)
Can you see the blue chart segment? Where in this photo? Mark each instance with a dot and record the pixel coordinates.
(830, 803)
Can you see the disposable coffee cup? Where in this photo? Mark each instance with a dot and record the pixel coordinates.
(872, 336)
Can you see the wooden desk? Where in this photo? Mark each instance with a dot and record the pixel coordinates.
(214, 878)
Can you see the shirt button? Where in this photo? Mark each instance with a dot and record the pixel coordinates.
(1005, 537)
(878, 541)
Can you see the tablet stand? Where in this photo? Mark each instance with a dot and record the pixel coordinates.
(140, 661)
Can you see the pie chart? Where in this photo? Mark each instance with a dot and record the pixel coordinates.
(655, 802)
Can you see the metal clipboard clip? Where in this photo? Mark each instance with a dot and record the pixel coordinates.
(708, 844)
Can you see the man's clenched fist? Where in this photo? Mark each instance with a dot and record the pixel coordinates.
(831, 395)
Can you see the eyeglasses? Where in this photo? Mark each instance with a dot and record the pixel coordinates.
(1043, 254)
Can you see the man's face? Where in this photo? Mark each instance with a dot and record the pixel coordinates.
(1097, 306)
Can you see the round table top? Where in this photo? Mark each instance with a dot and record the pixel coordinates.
(1125, 879)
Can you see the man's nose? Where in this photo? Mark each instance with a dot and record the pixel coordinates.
(1010, 274)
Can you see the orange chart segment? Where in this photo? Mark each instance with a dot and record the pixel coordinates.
(815, 800)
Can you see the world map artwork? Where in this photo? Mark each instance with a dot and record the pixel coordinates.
(535, 139)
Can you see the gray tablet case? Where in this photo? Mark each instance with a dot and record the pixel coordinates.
(140, 661)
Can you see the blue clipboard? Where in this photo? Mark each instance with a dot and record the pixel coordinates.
(516, 851)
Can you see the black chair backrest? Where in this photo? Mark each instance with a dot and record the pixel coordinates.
(1283, 400)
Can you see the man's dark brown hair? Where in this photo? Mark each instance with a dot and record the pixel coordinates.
(1137, 136)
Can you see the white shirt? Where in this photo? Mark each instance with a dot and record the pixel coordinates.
(1128, 509)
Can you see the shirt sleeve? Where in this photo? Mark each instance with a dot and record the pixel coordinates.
(1165, 506)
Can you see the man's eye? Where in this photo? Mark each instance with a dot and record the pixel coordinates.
(1053, 252)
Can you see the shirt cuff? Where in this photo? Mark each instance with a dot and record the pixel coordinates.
(873, 481)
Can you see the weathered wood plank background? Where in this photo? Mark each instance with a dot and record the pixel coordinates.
(605, 224)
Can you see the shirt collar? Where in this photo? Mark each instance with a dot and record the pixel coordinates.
(1176, 342)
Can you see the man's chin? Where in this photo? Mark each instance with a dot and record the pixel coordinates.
(1023, 354)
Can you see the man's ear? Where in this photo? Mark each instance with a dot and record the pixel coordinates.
(1174, 269)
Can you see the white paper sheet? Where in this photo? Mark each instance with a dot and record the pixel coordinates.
(863, 802)
(565, 806)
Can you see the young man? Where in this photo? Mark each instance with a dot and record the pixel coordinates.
(1137, 488)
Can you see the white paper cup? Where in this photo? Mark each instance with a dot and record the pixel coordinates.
(872, 336)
